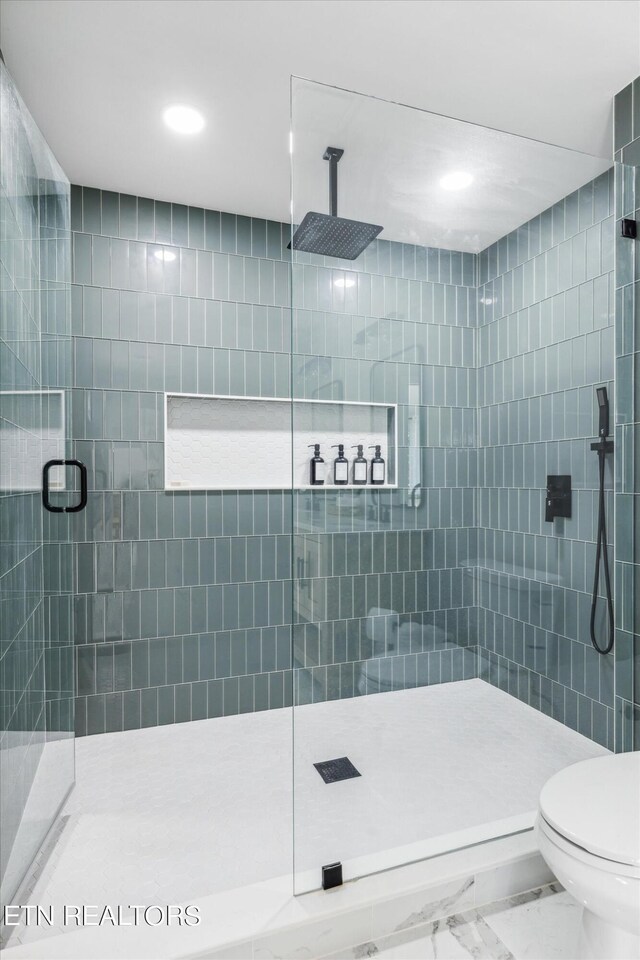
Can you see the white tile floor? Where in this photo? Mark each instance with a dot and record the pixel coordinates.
(172, 814)
(541, 925)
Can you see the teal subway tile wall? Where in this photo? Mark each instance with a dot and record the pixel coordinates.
(627, 431)
(183, 605)
(382, 596)
(197, 604)
(545, 340)
(185, 601)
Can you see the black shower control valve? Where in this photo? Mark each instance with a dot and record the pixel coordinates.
(629, 229)
(558, 498)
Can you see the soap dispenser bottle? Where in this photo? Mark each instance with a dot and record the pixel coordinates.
(359, 467)
(317, 466)
(377, 466)
(340, 467)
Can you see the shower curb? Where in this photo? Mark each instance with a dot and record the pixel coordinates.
(346, 924)
(265, 920)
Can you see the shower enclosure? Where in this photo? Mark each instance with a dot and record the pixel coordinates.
(467, 341)
(413, 644)
(36, 584)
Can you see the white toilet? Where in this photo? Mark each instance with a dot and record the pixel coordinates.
(588, 830)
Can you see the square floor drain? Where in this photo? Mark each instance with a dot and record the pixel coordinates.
(333, 770)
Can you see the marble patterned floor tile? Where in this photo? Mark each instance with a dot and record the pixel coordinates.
(425, 906)
(544, 923)
(460, 937)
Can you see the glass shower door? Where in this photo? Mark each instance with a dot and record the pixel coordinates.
(356, 387)
(440, 622)
(36, 583)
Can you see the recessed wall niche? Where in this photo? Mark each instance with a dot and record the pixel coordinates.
(249, 443)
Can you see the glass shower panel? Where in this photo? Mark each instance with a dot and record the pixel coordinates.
(369, 556)
(443, 343)
(36, 653)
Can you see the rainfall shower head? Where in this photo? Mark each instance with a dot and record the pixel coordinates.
(328, 234)
(332, 236)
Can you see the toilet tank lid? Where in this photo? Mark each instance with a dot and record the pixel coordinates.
(596, 804)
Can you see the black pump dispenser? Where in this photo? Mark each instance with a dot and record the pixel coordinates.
(340, 467)
(377, 466)
(317, 466)
(359, 467)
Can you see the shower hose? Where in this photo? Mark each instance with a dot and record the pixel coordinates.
(601, 551)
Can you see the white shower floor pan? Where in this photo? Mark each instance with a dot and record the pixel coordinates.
(171, 815)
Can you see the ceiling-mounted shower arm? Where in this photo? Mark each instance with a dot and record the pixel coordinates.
(333, 154)
(327, 234)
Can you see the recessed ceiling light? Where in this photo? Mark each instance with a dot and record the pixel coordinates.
(166, 255)
(183, 119)
(457, 180)
(344, 282)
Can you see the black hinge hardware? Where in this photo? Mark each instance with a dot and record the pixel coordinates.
(332, 875)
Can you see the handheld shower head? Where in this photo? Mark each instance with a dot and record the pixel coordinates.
(602, 448)
(603, 406)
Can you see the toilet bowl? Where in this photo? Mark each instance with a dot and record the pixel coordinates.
(588, 830)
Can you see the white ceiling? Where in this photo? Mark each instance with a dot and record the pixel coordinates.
(97, 74)
(395, 157)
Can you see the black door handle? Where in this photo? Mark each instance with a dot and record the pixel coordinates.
(83, 486)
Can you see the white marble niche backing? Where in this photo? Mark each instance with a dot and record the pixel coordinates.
(250, 443)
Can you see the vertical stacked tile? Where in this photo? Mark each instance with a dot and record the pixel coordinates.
(627, 434)
(184, 600)
(545, 340)
(384, 587)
